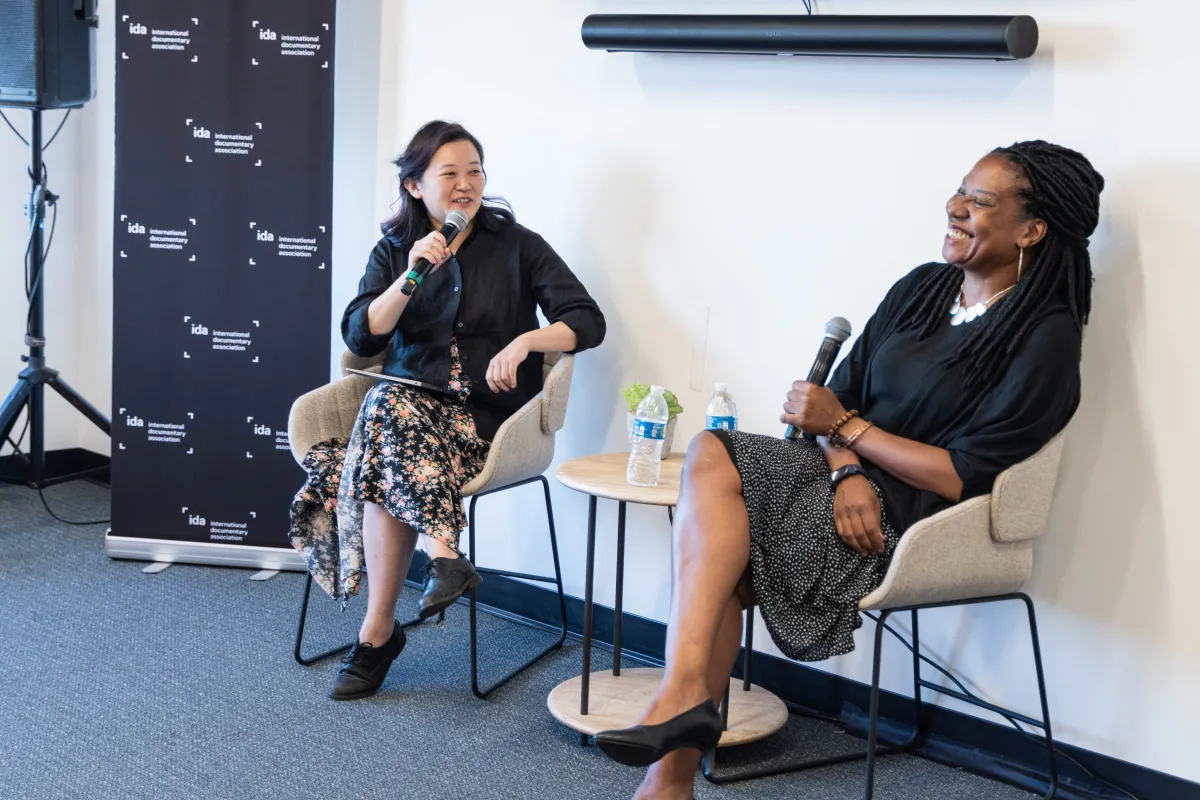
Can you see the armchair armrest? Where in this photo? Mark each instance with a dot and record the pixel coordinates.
(556, 390)
(325, 413)
(952, 556)
(522, 449)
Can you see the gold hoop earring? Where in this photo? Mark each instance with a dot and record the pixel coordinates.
(1020, 264)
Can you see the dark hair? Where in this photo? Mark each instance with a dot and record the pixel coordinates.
(411, 220)
(1060, 186)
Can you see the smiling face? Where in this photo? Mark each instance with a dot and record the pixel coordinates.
(988, 224)
(453, 180)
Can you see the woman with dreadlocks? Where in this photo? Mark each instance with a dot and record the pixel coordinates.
(966, 368)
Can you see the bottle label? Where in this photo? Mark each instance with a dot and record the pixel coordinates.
(645, 429)
(720, 423)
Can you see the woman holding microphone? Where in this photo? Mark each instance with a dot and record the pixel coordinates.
(968, 366)
(462, 341)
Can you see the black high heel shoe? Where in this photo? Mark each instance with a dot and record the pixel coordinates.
(642, 745)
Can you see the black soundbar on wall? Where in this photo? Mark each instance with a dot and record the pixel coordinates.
(1003, 38)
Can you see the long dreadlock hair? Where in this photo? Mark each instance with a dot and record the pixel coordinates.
(1059, 186)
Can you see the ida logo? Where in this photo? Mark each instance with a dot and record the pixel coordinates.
(135, 422)
(199, 330)
(268, 34)
(137, 29)
(264, 236)
(262, 430)
(201, 133)
(135, 227)
(196, 519)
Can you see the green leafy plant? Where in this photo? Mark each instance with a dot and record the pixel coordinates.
(635, 393)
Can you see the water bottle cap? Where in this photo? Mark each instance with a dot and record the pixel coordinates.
(722, 387)
(657, 390)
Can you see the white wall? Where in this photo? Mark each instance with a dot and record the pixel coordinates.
(649, 174)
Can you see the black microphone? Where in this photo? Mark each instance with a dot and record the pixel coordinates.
(837, 331)
(456, 222)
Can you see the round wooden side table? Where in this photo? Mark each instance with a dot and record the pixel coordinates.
(593, 702)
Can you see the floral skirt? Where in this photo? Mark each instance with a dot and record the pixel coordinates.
(411, 452)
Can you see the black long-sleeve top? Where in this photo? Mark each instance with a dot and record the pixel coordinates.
(903, 385)
(486, 295)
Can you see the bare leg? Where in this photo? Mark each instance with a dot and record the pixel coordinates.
(673, 776)
(388, 545)
(712, 551)
(712, 554)
(436, 548)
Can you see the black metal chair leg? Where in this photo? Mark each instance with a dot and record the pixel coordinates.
(708, 764)
(308, 581)
(873, 730)
(746, 662)
(917, 707)
(475, 688)
(873, 750)
(472, 603)
(747, 658)
(724, 709)
(1037, 661)
(483, 694)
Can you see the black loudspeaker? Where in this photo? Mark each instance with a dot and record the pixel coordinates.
(47, 53)
(989, 37)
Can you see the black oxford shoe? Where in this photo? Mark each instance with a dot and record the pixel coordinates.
(365, 667)
(446, 580)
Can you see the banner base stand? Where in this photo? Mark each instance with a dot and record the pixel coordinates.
(156, 567)
(264, 575)
(203, 553)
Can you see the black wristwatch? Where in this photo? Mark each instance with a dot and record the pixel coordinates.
(839, 475)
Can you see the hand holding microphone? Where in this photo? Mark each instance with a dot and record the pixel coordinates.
(431, 252)
(810, 406)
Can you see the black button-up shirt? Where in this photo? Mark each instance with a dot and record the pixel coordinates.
(486, 295)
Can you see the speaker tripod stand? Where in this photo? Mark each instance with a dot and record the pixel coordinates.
(29, 391)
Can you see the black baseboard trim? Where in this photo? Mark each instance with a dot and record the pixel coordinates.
(68, 461)
(960, 740)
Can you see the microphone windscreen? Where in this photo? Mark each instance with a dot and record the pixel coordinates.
(838, 328)
(459, 220)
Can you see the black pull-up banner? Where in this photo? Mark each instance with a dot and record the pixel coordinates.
(221, 273)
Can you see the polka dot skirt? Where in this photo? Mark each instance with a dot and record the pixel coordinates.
(808, 580)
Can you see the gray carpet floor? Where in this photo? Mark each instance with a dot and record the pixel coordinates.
(117, 684)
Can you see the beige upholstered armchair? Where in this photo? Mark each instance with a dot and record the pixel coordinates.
(521, 451)
(523, 447)
(978, 551)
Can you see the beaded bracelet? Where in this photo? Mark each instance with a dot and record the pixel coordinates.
(837, 426)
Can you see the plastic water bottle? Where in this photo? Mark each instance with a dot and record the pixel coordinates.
(649, 430)
(721, 413)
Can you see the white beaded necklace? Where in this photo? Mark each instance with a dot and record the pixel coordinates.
(960, 313)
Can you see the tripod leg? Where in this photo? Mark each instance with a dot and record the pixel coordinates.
(87, 409)
(11, 409)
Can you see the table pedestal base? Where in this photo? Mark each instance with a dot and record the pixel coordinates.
(616, 701)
